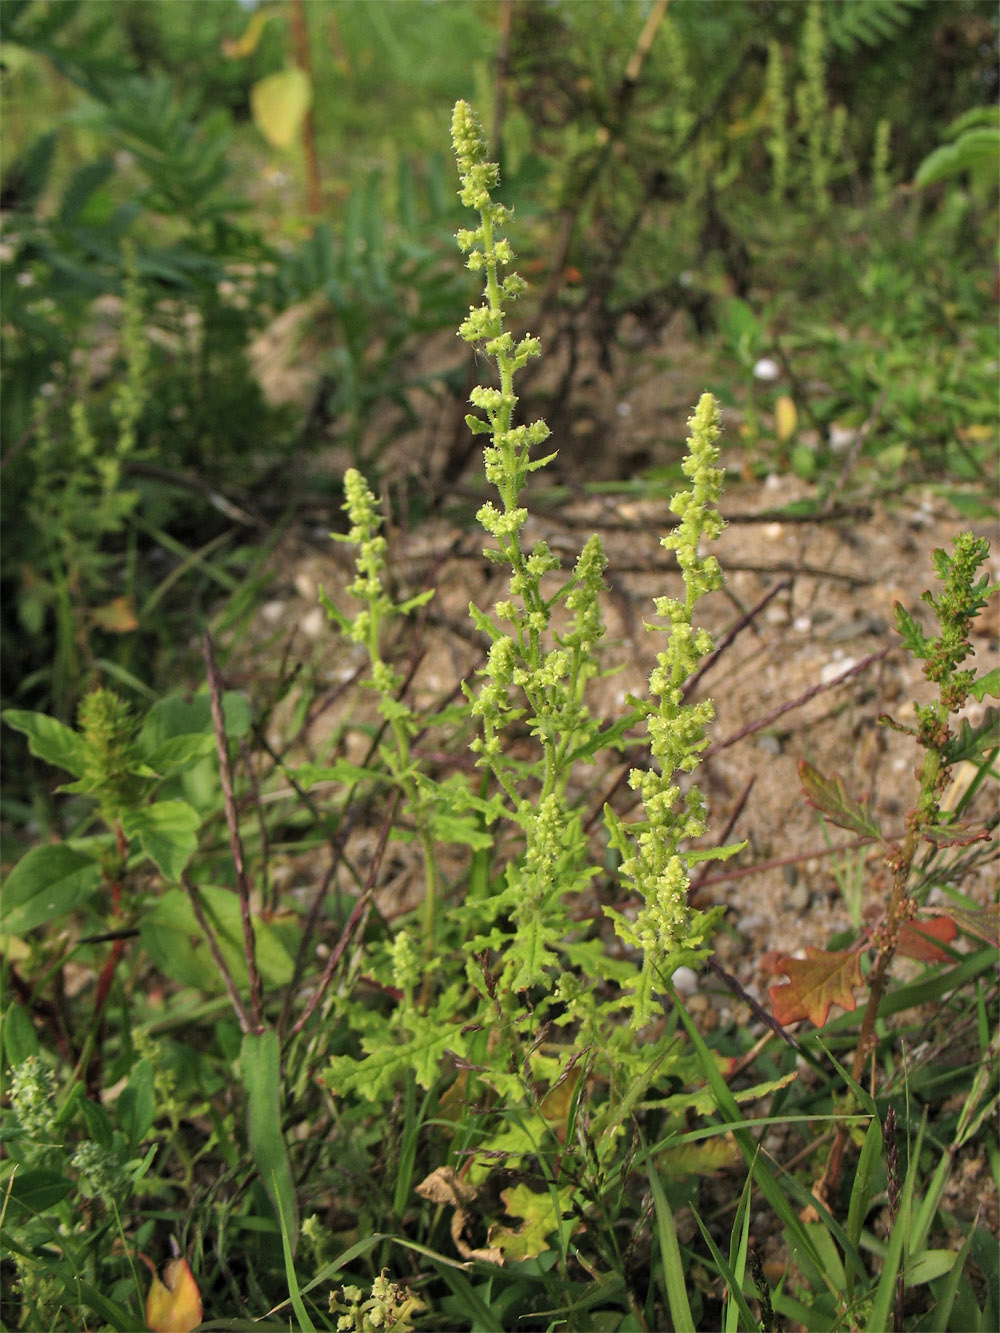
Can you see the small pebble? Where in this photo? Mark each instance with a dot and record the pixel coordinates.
(749, 925)
(835, 668)
(769, 743)
(685, 981)
(314, 623)
(841, 438)
(799, 897)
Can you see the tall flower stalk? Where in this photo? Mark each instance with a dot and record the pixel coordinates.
(538, 671)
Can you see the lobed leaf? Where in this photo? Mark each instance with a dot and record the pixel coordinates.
(830, 796)
(823, 978)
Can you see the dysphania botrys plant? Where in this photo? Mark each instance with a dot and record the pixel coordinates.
(540, 999)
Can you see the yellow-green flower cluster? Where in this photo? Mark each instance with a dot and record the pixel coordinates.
(654, 863)
(507, 458)
(359, 505)
(32, 1097)
(389, 1309)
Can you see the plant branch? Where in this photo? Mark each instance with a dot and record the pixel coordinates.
(235, 839)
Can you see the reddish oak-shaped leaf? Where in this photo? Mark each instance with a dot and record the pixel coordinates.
(919, 939)
(815, 983)
(830, 796)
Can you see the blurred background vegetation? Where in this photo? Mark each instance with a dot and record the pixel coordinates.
(228, 268)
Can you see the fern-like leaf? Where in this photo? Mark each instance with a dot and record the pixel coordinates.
(853, 23)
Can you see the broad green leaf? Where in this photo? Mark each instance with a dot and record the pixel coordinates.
(37, 1190)
(260, 1066)
(173, 938)
(136, 1109)
(928, 1266)
(50, 740)
(974, 150)
(20, 1040)
(179, 752)
(46, 883)
(986, 685)
(177, 718)
(307, 775)
(98, 1123)
(973, 741)
(167, 832)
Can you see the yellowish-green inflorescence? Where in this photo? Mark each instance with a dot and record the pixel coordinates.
(538, 673)
(667, 928)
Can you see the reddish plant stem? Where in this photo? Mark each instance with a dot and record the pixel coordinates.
(197, 906)
(235, 840)
(106, 979)
(300, 34)
(356, 921)
(900, 859)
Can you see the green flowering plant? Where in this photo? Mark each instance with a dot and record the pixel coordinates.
(529, 967)
(538, 669)
(70, 1171)
(388, 1309)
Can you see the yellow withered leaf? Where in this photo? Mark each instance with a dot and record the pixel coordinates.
(246, 45)
(117, 616)
(174, 1305)
(786, 418)
(279, 104)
